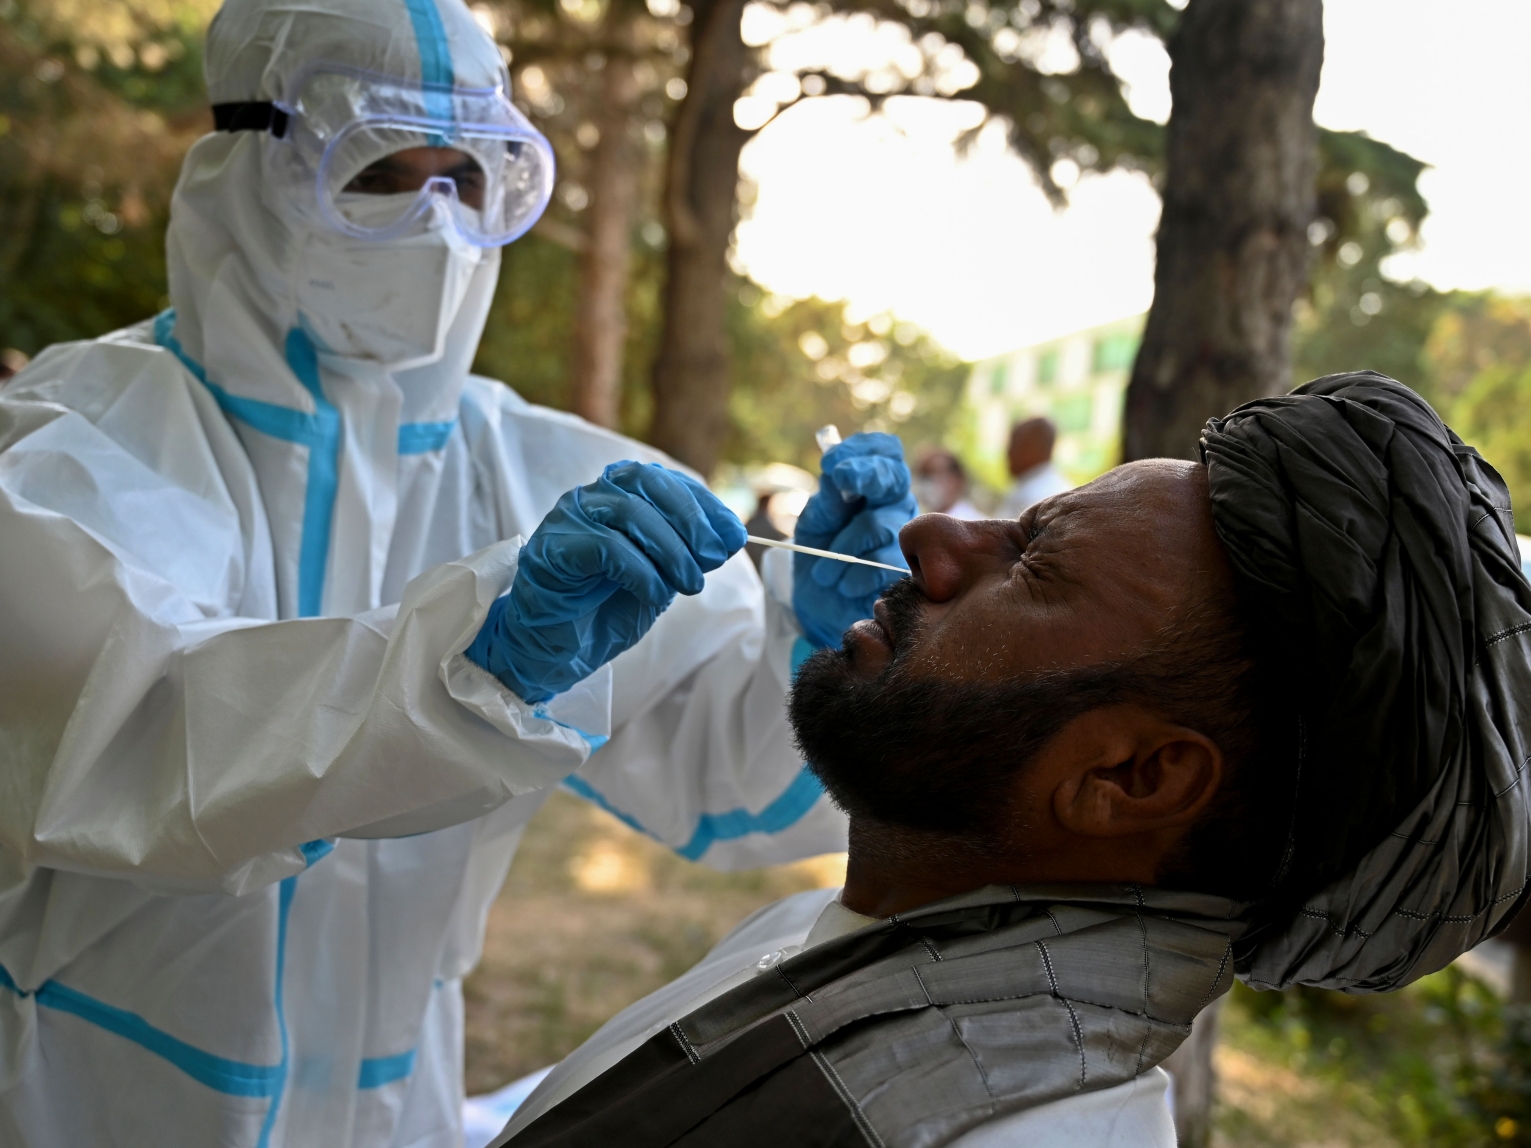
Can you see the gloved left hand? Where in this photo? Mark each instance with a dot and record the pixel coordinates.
(598, 571)
(862, 503)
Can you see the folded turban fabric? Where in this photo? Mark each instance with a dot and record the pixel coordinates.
(1380, 552)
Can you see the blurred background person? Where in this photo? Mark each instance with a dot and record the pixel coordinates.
(1034, 477)
(941, 485)
(778, 491)
(760, 525)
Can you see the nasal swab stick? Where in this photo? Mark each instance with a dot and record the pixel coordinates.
(779, 544)
(826, 437)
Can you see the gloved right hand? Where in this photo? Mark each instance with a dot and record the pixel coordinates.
(598, 571)
(862, 503)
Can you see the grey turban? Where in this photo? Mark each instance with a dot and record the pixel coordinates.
(1381, 553)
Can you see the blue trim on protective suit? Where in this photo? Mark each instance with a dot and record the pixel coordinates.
(578, 785)
(234, 1077)
(323, 477)
(284, 907)
(231, 1077)
(317, 850)
(435, 60)
(422, 438)
(793, 804)
(593, 741)
(380, 1070)
(788, 809)
(319, 432)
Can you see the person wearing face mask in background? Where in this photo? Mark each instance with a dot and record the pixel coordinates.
(281, 683)
(941, 485)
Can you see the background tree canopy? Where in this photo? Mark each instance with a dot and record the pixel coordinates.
(99, 99)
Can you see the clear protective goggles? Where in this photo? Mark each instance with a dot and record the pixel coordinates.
(357, 133)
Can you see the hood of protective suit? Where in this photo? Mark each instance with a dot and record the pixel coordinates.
(341, 362)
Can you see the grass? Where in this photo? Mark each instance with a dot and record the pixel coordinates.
(1312, 1069)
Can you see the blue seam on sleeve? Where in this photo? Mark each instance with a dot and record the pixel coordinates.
(788, 809)
(319, 432)
(380, 1070)
(578, 785)
(422, 438)
(593, 740)
(316, 850)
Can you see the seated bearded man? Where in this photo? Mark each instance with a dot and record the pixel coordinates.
(1258, 716)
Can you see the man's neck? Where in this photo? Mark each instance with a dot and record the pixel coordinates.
(893, 870)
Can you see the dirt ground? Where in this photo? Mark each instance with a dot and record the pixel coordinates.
(592, 917)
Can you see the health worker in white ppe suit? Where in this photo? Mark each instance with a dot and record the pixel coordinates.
(280, 684)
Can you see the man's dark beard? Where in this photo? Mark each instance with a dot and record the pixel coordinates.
(924, 752)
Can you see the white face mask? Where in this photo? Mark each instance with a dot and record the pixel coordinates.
(391, 303)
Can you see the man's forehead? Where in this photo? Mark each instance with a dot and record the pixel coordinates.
(1155, 511)
(1126, 493)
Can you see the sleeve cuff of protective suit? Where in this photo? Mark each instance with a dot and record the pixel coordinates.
(577, 721)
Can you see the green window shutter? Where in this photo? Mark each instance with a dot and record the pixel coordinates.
(1113, 353)
(1072, 412)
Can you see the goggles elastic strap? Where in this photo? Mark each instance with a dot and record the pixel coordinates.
(252, 116)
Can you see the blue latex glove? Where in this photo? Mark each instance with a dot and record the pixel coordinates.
(592, 578)
(862, 504)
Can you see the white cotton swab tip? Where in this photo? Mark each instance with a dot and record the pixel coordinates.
(781, 545)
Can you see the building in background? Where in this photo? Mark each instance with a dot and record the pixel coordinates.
(1079, 381)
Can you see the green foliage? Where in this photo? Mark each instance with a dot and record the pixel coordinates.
(877, 375)
(1355, 315)
(1415, 1064)
(95, 113)
(1475, 332)
(1039, 67)
(526, 339)
(1494, 414)
(800, 365)
(558, 53)
(1501, 1096)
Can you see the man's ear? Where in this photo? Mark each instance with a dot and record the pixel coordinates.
(1122, 771)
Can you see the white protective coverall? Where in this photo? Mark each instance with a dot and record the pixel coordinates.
(254, 804)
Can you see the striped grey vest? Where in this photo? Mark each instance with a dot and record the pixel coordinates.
(910, 1032)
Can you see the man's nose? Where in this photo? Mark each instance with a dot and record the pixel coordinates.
(946, 554)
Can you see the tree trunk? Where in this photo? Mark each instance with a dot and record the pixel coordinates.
(1238, 197)
(702, 183)
(1517, 934)
(600, 317)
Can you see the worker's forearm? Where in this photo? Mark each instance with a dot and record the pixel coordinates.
(141, 742)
